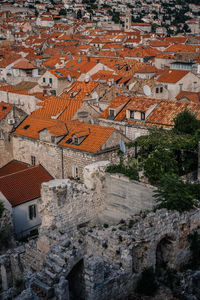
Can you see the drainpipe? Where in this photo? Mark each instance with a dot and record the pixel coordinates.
(62, 163)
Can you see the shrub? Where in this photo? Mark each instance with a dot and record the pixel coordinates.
(160, 162)
(186, 122)
(5, 238)
(146, 284)
(175, 194)
(129, 171)
(105, 225)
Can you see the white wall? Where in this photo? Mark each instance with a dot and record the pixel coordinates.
(22, 223)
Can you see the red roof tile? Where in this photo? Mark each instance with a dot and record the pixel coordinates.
(23, 185)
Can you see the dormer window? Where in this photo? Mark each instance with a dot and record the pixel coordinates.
(111, 113)
(76, 141)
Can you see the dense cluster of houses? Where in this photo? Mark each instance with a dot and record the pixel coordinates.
(69, 94)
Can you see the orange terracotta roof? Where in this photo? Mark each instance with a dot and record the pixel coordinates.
(24, 185)
(182, 48)
(172, 76)
(166, 111)
(191, 96)
(63, 109)
(24, 64)
(32, 125)
(93, 142)
(5, 108)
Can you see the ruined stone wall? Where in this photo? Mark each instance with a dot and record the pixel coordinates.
(65, 203)
(134, 243)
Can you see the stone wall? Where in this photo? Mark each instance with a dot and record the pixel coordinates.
(46, 154)
(125, 197)
(134, 243)
(65, 203)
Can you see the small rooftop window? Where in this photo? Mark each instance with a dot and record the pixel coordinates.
(4, 107)
(26, 127)
(68, 141)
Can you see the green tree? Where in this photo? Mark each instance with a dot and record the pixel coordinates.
(175, 194)
(186, 122)
(160, 162)
(62, 12)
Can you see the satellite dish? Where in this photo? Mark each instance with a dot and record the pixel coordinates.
(122, 146)
(69, 78)
(147, 90)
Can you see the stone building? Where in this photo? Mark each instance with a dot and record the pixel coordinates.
(64, 149)
(10, 117)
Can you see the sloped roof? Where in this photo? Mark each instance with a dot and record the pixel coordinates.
(191, 96)
(96, 136)
(31, 126)
(5, 108)
(24, 185)
(12, 167)
(172, 76)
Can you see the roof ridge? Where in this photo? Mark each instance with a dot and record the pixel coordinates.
(29, 168)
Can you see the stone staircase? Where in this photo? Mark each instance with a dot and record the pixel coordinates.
(62, 257)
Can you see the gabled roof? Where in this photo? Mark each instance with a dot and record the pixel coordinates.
(172, 76)
(23, 185)
(31, 127)
(190, 96)
(96, 136)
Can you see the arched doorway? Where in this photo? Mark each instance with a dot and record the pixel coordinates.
(77, 282)
(164, 252)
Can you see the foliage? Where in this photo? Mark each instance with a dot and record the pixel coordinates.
(1, 209)
(186, 123)
(5, 238)
(129, 171)
(146, 284)
(62, 12)
(159, 162)
(175, 194)
(195, 249)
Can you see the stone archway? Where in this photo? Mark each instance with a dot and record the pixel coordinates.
(165, 252)
(76, 282)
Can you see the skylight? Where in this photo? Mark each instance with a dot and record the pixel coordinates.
(26, 127)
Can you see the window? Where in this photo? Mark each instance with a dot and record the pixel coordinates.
(131, 114)
(142, 116)
(32, 211)
(111, 112)
(75, 172)
(161, 89)
(33, 160)
(43, 79)
(157, 90)
(195, 85)
(50, 80)
(53, 139)
(76, 141)
(181, 86)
